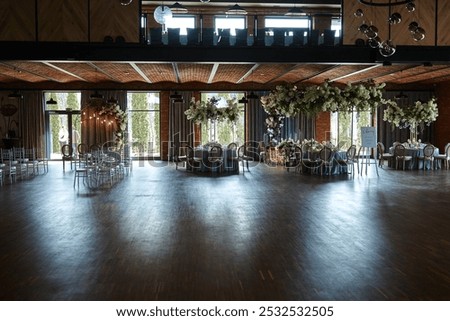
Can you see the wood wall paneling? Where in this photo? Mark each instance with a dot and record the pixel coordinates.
(63, 20)
(424, 15)
(17, 22)
(110, 18)
(351, 23)
(443, 36)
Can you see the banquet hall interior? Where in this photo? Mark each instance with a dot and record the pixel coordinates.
(223, 150)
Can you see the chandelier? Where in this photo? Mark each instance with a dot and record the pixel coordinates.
(387, 47)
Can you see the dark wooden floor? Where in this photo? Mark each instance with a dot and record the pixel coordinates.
(163, 234)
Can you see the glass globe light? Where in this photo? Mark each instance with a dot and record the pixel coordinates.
(359, 13)
(387, 48)
(419, 34)
(410, 6)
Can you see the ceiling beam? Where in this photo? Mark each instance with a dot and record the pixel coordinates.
(21, 71)
(355, 73)
(176, 72)
(96, 68)
(213, 73)
(140, 72)
(63, 70)
(248, 73)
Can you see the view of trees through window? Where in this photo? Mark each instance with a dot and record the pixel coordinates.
(144, 124)
(346, 128)
(63, 121)
(225, 132)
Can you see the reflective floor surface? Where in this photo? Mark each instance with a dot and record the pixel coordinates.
(266, 234)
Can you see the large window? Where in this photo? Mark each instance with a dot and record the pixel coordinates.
(346, 128)
(336, 25)
(63, 122)
(286, 23)
(224, 132)
(182, 22)
(144, 124)
(231, 23)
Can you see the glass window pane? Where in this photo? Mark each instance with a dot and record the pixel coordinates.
(144, 124)
(226, 132)
(64, 100)
(182, 22)
(336, 25)
(231, 23)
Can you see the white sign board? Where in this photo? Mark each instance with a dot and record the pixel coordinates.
(369, 137)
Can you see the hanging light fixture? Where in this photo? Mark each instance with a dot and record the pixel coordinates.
(96, 95)
(252, 96)
(243, 100)
(236, 10)
(125, 2)
(162, 14)
(400, 96)
(295, 11)
(15, 95)
(176, 98)
(51, 101)
(178, 8)
(112, 100)
(387, 47)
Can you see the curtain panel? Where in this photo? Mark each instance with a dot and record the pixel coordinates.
(32, 121)
(93, 131)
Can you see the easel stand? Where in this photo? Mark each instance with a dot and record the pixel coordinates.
(367, 159)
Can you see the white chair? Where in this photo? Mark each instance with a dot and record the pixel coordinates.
(428, 155)
(382, 155)
(400, 156)
(20, 161)
(243, 157)
(327, 159)
(32, 161)
(9, 167)
(445, 158)
(350, 159)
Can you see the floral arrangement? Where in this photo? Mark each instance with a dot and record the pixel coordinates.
(363, 97)
(324, 97)
(287, 143)
(312, 145)
(419, 114)
(200, 111)
(284, 100)
(288, 100)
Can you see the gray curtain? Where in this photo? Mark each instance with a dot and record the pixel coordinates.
(180, 128)
(93, 132)
(298, 128)
(32, 121)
